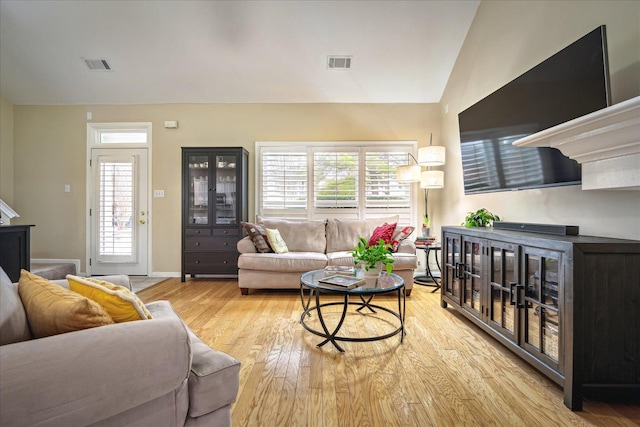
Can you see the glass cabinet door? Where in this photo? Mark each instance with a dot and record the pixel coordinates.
(472, 276)
(199, 190)
(541, 306)
(452, 266)
(226, 176)
(503, 278)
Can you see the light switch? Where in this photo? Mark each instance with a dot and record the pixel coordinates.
(158, 193)
(67, 188)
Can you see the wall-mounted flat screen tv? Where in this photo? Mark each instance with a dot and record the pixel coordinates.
(570, 84)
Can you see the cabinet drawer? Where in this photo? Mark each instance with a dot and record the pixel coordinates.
(235, 232)
(211, 262)
(213, 243)
(197, 232)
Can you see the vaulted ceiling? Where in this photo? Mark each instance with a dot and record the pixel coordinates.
(229, 51)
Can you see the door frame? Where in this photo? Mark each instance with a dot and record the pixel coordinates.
(93, 141)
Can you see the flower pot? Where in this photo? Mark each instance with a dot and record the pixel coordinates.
(374, 271)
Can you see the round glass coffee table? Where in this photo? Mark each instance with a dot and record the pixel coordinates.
(311, 289)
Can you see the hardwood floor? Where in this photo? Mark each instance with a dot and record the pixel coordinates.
(446, 373)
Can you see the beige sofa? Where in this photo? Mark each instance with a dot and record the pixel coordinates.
(313, 245)
(142, 373)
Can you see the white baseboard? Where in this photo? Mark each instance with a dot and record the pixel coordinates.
(58, 261)
(164, 274)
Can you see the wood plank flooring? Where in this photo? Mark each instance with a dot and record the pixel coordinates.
(446, 373)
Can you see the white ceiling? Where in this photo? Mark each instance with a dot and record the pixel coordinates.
(229, 51)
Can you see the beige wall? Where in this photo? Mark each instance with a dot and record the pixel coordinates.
(6, 152)
(50, 151)
(505, 40)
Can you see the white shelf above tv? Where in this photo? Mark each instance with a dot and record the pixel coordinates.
(606, 143)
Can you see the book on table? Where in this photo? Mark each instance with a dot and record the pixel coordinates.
(343, 282)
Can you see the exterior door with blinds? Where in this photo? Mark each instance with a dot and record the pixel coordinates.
(119, 215)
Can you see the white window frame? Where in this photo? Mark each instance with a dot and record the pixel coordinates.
(309, 147)
(95, 130)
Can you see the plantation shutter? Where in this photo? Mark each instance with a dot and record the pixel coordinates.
(116, 207)
(335, 178)
(284, 180)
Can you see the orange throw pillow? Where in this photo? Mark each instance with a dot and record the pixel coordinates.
(52, 309)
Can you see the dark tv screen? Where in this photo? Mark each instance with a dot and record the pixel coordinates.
(570, 84)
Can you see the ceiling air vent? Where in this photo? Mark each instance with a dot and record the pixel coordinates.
(97, 64)
(339, 62)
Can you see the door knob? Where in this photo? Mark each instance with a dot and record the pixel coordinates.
(142, 221)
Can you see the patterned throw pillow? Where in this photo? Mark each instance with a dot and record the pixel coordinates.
(258, 236)
(399, 235)
(276, 241)
(384, 232)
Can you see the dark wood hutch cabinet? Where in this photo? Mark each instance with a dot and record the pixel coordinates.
(214, 202)
(568, 305)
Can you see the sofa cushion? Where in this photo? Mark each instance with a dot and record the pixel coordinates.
(276, 241)
(258, 236)
(13, 319)
(341, 258)
(53, 310)
(213, 380)
(121, 303)
(384, 232)
(342, 235)
(301, 236)
(289, 262)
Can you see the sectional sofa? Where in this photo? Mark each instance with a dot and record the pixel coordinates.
(153, 372)
(313, 245)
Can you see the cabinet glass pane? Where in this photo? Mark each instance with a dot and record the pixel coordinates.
(472, 271)
(452, 285)
(198, 203)
(550, 283)
(496, 305)
(550, 333)
(502, 274)
(509, 312)
(533, 324)
(533, 277)
(475, 293)
(226, 203)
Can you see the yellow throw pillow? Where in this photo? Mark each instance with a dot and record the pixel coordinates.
(52, 309)
(121, 304)
(276, 241)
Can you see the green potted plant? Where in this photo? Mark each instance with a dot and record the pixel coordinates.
(374, 256)
(480, 218)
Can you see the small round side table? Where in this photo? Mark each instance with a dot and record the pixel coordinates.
(429, 278)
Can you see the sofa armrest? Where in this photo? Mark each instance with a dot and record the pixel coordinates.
(245, 245)
(214, 380)
(407, 247)
(82, 377)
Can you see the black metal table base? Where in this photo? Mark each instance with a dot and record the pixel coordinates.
(429, 279)
(332, 336)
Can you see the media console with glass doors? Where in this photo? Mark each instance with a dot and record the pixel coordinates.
(214, 202)
(568, 305)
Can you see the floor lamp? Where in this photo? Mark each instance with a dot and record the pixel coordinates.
(431, 155)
